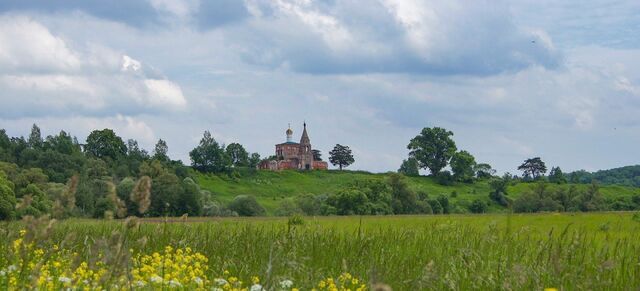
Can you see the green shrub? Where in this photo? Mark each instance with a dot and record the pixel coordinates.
(478, 206)
(247, 205)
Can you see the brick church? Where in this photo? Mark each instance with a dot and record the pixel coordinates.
(293, 155)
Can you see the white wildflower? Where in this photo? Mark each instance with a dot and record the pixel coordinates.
(198, 280)
(2, 273)
(174, 283)
(156, 279)
(256, 287)
(286, 284)
(64, 279)
(11, 268)
(140, 283)
(221, 281)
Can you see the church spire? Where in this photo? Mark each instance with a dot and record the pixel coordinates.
(305, 137)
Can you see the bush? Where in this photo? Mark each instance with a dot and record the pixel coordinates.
(478, 206)
(444, 178)
(247, 205)
(287, 207)
(435, 206)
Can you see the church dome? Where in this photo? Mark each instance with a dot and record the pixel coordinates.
(289, 131)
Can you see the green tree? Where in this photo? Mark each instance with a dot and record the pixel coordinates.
(409, 167)
(350, 201)
(433, 148)
(462, 165)
(478, 206)
(35, 140)
(238, 155)
(160, 151)
(209, 156)
(484, 171)
(7, 198)
(404, 200)
(317, 155)
(341, 156)
(105, 144)
(533, 168)
(254, 160)
(190, 201)
(557, 176)
(247, 205)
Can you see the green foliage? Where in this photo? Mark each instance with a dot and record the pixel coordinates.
(462, 165)
(246, 205)
(350, 202)
(341, 156)
(484, 171)
(409, 167)
(254, 160)
(628, 176)
(556, 176)
(7, 198)
(533, 168)
(404, 199)
(238, 155)
(287, 207)
(105, 144)
(317, 155)
(209, 156)
(161, 151)
(190, 202)
(478, 206)
(433, 148)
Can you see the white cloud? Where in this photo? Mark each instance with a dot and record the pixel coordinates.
(26, 45)
(51, 77)
(163, 92)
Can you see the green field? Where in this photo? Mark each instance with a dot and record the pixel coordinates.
(271, 187)
(593, 251)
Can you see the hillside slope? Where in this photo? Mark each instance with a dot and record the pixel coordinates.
(272, 187)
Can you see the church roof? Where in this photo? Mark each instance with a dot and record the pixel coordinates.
(305, 137)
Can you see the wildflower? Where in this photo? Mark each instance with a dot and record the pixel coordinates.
(198, 280)
(12, 268)
(140, 283)
(256, 287)
(255, 280)
(286, 284)
(64, 279)
(221, 281)
(174, 283)
(156, 279)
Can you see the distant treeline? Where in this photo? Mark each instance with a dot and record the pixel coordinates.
(108, 177)
(626, 176)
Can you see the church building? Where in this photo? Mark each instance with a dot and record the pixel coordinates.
(293, 155)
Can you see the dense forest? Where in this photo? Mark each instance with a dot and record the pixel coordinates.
(106, 177)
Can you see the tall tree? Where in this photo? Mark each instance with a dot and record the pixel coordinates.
(7, 198)
(254, 160)
(433, 148)
(135, 152)
(209, 156)
(238, 155)
(557, 176)
(462, 164)
(341, 156)
(533, 168)
(484, 170)
(409, 167)
(161, 150)
(317, 155)
(105, 144)
(35, 140)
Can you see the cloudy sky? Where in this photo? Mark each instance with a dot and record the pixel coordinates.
(511, 79)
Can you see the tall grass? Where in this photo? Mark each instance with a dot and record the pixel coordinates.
(488, 252)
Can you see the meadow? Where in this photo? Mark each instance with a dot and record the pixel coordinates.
(595, 251)
(270, 188)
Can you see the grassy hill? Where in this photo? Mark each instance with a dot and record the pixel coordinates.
(272, 187)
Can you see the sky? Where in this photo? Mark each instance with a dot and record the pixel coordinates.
(511, 79)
